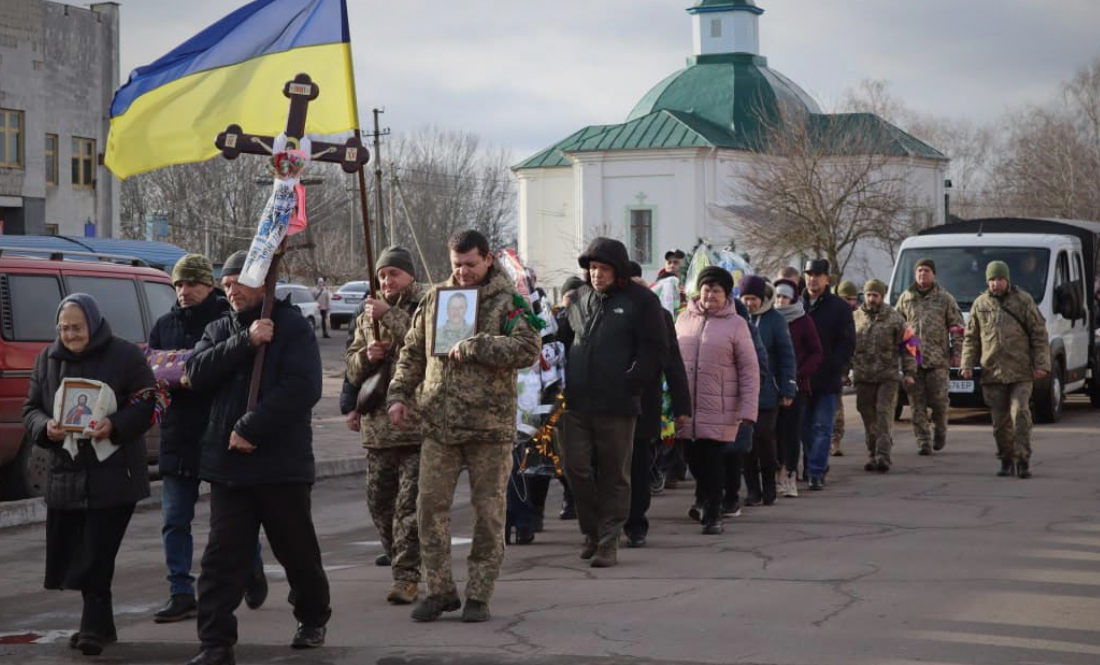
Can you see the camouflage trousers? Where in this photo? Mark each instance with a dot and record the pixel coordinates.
(392, 482)
(1010, 404)
(487, 465)
(930, 392)
(875, 403)
(838, 424)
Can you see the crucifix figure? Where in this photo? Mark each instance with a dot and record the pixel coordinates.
(351, 155)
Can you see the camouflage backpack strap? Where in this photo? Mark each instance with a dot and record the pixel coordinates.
(523, 310)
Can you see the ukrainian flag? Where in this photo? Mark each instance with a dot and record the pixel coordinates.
(233, 72)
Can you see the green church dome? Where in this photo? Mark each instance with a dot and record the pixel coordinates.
(734, 91)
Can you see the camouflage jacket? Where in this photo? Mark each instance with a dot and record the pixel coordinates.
(933, 315)
(472, 401)
(1007, 337)
(879, 335)
(375, 428)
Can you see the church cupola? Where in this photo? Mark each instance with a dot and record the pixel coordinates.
(726, 26)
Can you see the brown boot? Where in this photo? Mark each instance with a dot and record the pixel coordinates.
(589, 549)
(606, 555)
(403, 592)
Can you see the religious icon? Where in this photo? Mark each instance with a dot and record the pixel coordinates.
(77, 402)
(455, 318)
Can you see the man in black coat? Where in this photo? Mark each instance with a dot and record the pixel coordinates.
(647, 430)
(618, 344)
(836, 328)
(259, 463)
(181, 429)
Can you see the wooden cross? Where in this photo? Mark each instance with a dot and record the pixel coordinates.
(351, 156)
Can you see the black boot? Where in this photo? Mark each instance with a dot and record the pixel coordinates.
(214, 656)
(712, 520)
(1022, 469)
(1007, 469)
(768, 491)
(97, 624)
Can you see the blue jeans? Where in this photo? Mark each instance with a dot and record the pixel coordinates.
(817, 431)
(178, 497)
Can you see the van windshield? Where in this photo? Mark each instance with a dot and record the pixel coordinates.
(961, 270)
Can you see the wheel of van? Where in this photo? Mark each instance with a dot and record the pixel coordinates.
(1050, 396)
(25, 476)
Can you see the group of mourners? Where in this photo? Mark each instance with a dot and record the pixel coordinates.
(753, 373)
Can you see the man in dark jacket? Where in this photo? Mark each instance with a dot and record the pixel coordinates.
(197, 304)
(835, 327)
(259, 463)
(618, 345)
(647, 430)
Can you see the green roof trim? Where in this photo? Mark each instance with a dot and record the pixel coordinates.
(863, 133)
(703, 6)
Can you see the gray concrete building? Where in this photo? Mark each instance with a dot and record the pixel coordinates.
(59, 68)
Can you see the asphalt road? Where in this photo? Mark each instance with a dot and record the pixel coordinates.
(937, 562)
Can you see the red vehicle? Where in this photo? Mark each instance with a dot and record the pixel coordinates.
(131, 296)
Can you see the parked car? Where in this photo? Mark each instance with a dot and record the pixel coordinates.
(344, 304)
(302, 299)
(131, 295)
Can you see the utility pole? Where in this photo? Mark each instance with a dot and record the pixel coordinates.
(393, 211)
(379, 213)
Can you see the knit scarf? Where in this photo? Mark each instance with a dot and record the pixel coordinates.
(791, 312)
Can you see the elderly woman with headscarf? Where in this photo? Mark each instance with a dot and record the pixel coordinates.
(97, 474)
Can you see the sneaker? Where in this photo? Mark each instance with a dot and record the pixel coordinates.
(256, 592)
(403, 592)
(695, 513)
(308, 637)
(179, 607)
(568, 511)
(606, 556)
(475, 611)
(635, 540)
(713, 527)
(431, 608)
(732, 508)
(790, 488)
(588, 550)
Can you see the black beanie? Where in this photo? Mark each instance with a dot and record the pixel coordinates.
(635, 269)
(396, 257)
(234, 264)
(716, 275)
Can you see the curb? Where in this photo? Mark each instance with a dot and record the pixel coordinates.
(33, 511)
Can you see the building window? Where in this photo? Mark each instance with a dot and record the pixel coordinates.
(51, 159)
(11, 138)
(52, 230)
(641, 235)
(715, 28)
(83, 162)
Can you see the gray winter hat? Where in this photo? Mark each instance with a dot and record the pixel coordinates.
(234, 264)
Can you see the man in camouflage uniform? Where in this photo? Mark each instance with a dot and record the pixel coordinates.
(880, 333)
(935, 318)
(393, 455)
(1007, 337)
(850, 293)
(467, 403)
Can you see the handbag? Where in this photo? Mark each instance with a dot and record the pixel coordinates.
(372, 393)
(742, 445)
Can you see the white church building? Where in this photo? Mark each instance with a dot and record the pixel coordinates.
(663, 178)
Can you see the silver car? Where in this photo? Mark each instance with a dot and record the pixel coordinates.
(302, 299)
(344, 304)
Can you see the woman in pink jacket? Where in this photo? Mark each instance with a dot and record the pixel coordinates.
(724, 378)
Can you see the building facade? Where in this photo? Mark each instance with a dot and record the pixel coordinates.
(59, 68)
(668, 175)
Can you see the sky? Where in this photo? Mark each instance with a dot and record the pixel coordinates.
(522, 75)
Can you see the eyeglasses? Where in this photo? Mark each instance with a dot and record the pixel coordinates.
(76, 330)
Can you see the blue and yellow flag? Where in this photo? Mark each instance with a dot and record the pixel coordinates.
(233, 72)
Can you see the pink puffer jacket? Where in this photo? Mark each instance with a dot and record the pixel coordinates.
(723, 373)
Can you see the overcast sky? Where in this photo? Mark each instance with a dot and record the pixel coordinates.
(525, 74)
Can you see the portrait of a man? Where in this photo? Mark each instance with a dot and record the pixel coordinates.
(456, 316)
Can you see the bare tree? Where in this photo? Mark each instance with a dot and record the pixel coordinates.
(819, 185)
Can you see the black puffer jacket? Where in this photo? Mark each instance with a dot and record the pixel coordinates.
(280, 425)
(618, 342)
(837, 330)
(183, 424)
(85, 482)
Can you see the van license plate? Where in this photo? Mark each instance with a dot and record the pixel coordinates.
(960, 387)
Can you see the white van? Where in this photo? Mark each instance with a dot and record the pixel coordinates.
(1053, 260)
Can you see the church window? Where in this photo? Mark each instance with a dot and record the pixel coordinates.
(715, 28)
(641, 235)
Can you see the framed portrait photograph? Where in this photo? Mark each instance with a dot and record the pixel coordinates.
(455, 318)
(77, 402)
